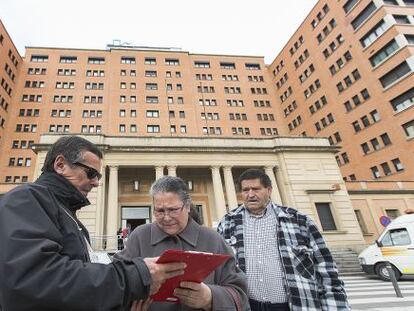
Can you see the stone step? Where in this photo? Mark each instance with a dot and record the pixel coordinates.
(346, 261)
(349, 270)
(344, 254)
(349, 266)
(346, 258)
(353, 260)
(353, 273)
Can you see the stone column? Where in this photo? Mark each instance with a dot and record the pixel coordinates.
(282, 179)
(112, 222)
(275, 191)
(218, 192)
(230, 190)
(100, 211)
(159, 172)
(172, 170)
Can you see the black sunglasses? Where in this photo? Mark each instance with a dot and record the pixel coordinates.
(91, 173)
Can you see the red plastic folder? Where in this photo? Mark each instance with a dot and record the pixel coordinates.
(199, 266)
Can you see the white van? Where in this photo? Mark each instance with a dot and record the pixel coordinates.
(396, 245)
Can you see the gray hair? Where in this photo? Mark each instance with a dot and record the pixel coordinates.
(72, 148)
(174, 185)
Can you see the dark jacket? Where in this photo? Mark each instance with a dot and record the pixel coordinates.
(313, 283)
(44, 261)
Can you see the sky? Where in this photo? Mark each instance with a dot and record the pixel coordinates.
(230, 27)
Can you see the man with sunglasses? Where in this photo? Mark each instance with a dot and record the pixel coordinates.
(46, 261)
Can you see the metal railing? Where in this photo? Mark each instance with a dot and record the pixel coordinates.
(108, 243)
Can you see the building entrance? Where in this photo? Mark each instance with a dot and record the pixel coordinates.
(133, 216)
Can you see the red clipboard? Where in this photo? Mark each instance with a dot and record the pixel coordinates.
(199, 266)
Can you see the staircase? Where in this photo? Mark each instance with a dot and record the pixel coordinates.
(347, 261)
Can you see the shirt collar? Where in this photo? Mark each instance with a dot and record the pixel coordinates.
(189, 234)
(263, 215)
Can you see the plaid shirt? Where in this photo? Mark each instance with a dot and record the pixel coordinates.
(311, 275)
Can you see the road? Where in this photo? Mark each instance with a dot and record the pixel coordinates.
(370, 293)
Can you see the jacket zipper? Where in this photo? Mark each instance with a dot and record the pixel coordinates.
(80, 232)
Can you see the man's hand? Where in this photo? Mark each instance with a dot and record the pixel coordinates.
(194, 295)
(141, 305)
(162, 271)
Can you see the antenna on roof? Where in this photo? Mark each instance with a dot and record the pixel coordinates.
(118, 44)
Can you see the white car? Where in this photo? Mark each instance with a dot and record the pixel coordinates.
(395, 245)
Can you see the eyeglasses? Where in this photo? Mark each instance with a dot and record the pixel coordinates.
(91, 173)
(172, 212)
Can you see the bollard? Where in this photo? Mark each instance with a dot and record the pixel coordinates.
(393, 279)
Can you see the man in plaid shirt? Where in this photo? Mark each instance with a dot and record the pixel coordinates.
(287, 262)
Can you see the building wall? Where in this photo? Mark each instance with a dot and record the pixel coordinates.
(360, 118)
(246, 99)
(122, 100)
(10, 63)
(375, 199)
(339, 38)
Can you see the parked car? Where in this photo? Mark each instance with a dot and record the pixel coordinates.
(395, 245)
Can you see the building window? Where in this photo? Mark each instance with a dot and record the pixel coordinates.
(151, 86)
(96, 60)
(127, 60)
(325, 216)
(365, 94)
(225, 65)
(395, 74)
(375, 172)
(409, 38)
(150, 61)
(386, 169)
(385, 139)
(403, 101)
(153, 128)
(357, 126)
(201, 64)
(375, 144)
(373, 34)
(401, 19)
(365, 148)
(364, 15)
(151, 99)
(252, 66)
(152, 113)
(349, 5)
(68, 59)
(172, 62)
(397, 164)
(409, 129)
(150, 73)
(375, 116)
(39, 58)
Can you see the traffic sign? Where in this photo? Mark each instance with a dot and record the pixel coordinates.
(385, 220)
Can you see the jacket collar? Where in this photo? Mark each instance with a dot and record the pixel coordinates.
(63, 190)
(281, 211)
(189, 234)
